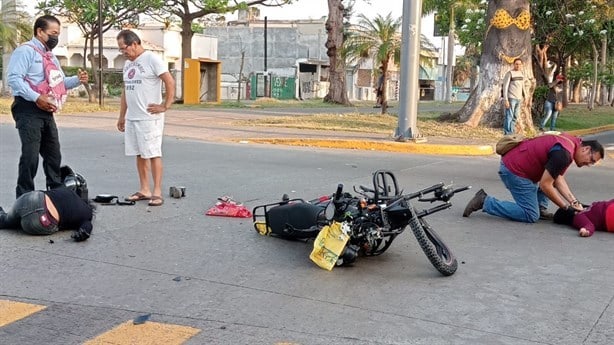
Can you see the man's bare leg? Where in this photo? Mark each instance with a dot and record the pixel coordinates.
(142, 166)
(156, 173)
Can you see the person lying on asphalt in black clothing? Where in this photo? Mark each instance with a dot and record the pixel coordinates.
(46, 212)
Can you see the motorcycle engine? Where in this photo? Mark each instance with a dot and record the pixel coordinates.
(368, 235)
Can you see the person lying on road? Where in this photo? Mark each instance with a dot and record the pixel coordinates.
(598, 216)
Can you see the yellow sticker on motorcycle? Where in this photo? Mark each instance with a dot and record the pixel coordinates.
(328, 245)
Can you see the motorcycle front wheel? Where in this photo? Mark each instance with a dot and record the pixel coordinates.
(433, 246)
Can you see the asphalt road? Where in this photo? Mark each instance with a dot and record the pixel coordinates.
(516, 283)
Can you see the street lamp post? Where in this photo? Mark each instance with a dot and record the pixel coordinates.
(100, 40)
(410, 71)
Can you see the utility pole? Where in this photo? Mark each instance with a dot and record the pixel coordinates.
(410, 70)
(100, 52)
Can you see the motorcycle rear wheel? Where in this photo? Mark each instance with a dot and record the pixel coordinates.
(433, 246)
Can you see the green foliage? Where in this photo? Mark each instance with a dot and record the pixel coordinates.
(116, 13)
(539, 98)
(15, 25)
(569, 27)
(197, 28)
(540, 93)
(114, 82)
(375, 38)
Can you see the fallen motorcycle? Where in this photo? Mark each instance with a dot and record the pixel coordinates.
(346, 226)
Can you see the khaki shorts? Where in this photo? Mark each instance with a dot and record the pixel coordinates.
(144, 138)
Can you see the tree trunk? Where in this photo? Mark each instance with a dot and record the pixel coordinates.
(450, 62)
(186, 47)
(604, 59)
(504, 42)
(593, 94)
(90, 41)
(541, 63)
(334, 28)
(384, 96)
(240, 76)
(577, 91)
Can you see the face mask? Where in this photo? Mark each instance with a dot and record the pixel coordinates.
(52, 41)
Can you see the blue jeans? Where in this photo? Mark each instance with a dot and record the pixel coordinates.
(30, 214)
(529, 198)
(549, 111)
(511, 115)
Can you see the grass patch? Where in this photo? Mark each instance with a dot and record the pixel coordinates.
(382, 124)
(578, 117)
(72, 106)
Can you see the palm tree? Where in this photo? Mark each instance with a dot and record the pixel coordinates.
(378, 39)
(15, 28)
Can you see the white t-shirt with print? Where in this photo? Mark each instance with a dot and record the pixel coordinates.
(143, 86)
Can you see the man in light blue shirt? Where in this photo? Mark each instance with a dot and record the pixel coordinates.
(33, 110)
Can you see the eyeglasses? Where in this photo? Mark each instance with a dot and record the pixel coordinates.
(593, 161)
(123, 49)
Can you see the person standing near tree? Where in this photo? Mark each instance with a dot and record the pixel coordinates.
(39, 87)
(513, 94)
(141, 115)
(554, 102)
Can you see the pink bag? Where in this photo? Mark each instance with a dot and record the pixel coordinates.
(226, 207)
(53, 84)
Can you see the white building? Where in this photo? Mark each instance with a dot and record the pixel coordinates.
(154, 37)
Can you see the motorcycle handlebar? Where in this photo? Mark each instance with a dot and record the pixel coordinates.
(461, 189)
(339, 192)
(444, 193)
(425, 191)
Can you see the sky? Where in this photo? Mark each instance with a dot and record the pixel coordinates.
(314, 9)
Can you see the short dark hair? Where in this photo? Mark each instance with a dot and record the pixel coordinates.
(595, 146)
(564, 216)
(129, 37)
(42, 22)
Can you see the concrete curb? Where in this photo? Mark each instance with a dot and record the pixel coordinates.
(401, 147)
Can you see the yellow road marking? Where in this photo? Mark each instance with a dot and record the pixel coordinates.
(148, 333)
(419, 148)
(12, 311)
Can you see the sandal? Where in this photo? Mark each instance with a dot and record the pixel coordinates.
(137, 197)
(156, 201)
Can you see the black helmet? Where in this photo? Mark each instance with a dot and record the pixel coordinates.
(74, 181)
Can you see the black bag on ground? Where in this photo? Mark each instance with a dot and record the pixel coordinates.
(297, 220)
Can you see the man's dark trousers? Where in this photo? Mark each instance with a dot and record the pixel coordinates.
(39, 135)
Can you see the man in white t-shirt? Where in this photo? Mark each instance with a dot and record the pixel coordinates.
(141, 114)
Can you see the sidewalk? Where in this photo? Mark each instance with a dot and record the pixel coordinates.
(219, 125)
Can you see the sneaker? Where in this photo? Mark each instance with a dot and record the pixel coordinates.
(544, 214)
(476, 203)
